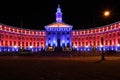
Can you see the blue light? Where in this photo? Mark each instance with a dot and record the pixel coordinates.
(81, 49)
(112, 48)
(88, 49)
(13, 49)
(39, 49)
(77, 49)
(17, 49)
(84, 49)
(36, 50)
(32, 50)
(8, 50)
(116, 49)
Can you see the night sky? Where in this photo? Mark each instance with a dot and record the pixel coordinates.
(82, 14)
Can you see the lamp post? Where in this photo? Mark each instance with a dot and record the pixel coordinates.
(106, 14)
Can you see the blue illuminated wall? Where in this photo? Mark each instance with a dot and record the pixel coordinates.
(58, 33)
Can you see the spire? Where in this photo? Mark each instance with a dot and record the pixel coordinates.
(58, 14)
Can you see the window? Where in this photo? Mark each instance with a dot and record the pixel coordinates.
(41, 39)
(37, 43)
(89, 37)
(11, 37)
(19, 43)
(6, 43)
(14, 42)
(67, 38)
(53, 32)
(114, 35)
(83, 39)
(72, 44)
(118, 33)
(106, 36)
(58, 33)
(10, 43)
(41, 43)
(6, 36)
(118, 41)
(82, 43)
(75, 38)
(110, 42)
(98, 42)
(22, 38)
(86, 43)
(79, 43)
(94, 43)
(1, 42)
(34, 43)
(22, 43)
(0, 37)
(67, 32)
(30, 43)
(109, 35)
(106, 42)
(49, 33)
(30, 38)
(90, 43)
(48, 38)
(97, 37)
(18, 38)
(26, 43)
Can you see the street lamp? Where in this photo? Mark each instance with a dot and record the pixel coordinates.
(106, 13)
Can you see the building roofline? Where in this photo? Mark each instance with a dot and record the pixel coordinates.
(58, 22)
(19, 27)
(99, 26)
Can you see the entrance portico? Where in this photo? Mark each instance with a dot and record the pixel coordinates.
(58, 33)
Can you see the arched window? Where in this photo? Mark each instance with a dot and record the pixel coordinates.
(110, 42)
(118, 41)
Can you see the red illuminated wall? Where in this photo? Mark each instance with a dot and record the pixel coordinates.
(12, 36)
(92, 37)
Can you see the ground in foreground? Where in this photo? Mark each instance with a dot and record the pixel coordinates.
(59, 68)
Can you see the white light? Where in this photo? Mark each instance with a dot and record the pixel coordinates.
(75, 46)
(15, 46)
(54, 41)
(101, 45)
(86, 46)
(31, 46)
(118, 45)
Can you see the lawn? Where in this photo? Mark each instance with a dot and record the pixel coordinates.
(59, 68)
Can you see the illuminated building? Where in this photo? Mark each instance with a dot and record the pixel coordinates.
(59, 34)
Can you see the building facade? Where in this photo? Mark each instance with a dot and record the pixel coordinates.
(60, 34)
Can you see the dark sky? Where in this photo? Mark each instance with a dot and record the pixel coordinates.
(81, 14)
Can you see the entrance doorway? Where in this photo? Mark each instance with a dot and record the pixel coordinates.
(58, 42)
